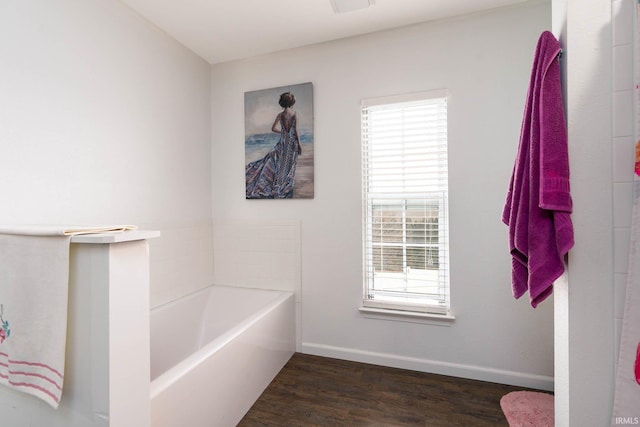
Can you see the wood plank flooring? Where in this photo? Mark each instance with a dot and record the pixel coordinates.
(319, 391)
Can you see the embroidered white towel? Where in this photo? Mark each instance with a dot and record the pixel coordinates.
(34, 284)
(34, 271)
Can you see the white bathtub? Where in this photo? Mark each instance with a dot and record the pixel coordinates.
(215, 351)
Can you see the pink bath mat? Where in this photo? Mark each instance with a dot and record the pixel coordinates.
(528, 409)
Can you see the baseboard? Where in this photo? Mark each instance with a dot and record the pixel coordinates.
(473, 372)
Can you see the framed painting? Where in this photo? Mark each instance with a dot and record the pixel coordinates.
(278, 142)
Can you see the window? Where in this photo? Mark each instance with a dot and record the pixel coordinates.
(406, 251)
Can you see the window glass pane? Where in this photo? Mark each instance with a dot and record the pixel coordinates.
(405, 199)
(387, 259)
(423, 258)
(387, 223)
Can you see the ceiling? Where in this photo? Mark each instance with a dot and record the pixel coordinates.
(225, 30)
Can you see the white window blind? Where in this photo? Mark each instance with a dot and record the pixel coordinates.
(406, 249)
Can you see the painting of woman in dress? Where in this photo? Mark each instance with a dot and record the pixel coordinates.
(279, 152)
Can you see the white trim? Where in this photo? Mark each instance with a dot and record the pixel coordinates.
(473, 372)
(445, 319)
(406, 97)
(402, 304)
(106, 238)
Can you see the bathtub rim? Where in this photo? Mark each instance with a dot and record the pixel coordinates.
(173, 374)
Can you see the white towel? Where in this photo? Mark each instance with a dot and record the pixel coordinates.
(34, 283)
(63, 230)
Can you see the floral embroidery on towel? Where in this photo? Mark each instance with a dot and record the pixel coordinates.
(5, 332)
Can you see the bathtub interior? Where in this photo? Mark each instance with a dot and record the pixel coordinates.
(180, 328)
(239, 340)
(174, 331)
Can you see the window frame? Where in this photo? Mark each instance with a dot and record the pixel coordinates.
(413, 304)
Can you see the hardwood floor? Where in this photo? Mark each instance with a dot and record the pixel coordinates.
(319, 391)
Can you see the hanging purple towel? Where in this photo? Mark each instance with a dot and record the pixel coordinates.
(538, 205)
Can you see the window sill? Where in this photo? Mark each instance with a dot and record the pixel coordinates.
(407, 316)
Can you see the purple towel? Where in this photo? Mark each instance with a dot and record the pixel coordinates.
(539, 205)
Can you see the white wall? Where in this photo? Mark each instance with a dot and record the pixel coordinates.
(561, 318)
(484, 61)
(105, 119)
(585, 305)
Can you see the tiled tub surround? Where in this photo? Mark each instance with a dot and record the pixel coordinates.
(260, 255)
(181, 262)
(623, 146)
